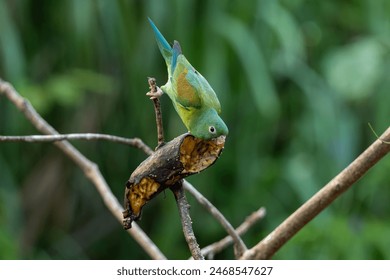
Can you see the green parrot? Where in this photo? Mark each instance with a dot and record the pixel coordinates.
(192, 96)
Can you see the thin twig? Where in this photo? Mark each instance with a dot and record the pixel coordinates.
(216, 247)
(183, 206)
(134, 142)
(377, 137)
(89, 168)
(239, 246)
(266, 248)
(155, 93)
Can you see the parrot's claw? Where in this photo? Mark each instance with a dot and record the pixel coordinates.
(156, 94)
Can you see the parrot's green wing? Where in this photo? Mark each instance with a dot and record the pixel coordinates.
(187, 87)
(204, 90)
(191, 89)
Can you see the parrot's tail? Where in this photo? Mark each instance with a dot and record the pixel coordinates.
(163, 45)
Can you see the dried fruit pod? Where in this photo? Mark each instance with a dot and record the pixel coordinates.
(183, 156)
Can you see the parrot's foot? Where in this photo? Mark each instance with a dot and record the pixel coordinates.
(155, 94)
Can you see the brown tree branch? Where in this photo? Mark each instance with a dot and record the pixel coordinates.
(154, 93)
(239, 246)
(266, 248)
(89, 168)
(134, 142)
(137, 143)
(24, 106)
(184, 207)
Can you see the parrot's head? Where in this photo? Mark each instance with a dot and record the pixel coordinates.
(209, 125)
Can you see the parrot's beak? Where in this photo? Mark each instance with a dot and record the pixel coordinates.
(220, 140)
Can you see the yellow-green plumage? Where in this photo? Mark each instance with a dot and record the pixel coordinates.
(192, 96)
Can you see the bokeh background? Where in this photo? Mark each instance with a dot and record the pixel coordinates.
(298, 82)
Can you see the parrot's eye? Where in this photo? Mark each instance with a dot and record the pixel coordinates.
(212, 129)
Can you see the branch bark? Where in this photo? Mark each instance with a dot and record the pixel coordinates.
(154, 93)
(134, 142)
(266, 248)
(89, 168)
(184, 207)
(138, 143)
(263, 250)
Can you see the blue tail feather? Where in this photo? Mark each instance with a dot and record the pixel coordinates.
(163, 45)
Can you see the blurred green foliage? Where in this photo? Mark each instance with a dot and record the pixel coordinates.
(298, 81)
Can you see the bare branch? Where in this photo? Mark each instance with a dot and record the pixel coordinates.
(89, 168)
(266, 248)
(239, 246)
(134, 142)
(212, 249)
(183, 206)
(24, 106)
(155, 92)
